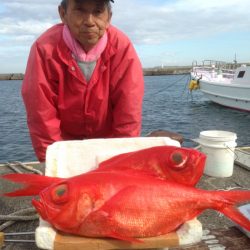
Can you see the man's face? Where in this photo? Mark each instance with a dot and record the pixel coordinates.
(87, 20)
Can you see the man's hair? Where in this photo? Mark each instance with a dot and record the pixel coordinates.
(64, 4)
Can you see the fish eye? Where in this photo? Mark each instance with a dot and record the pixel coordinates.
(178, 160)
(59, 194)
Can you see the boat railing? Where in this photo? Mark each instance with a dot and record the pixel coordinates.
(212, 69)
(216, 64)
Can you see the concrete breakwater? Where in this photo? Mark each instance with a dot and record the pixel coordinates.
(146, 71)
(171, 70)
(14, 76)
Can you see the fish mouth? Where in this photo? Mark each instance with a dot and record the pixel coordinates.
(195, 169)
(199, 163)
(38, 204)
(46, 210)
(202, 158)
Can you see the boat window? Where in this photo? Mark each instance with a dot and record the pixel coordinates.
(241, 74)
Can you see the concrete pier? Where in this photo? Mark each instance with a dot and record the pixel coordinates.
(218, 226)
(14, 76)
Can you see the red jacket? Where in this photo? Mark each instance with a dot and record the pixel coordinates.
(61, 105)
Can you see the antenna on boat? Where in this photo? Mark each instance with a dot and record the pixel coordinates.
(235, 59)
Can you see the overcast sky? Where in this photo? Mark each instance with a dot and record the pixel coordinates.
(164, 32)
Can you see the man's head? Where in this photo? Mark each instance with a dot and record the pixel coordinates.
(65, 2)
(86, 19)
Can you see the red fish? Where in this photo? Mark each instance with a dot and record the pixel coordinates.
(126, 205)
(182, 165)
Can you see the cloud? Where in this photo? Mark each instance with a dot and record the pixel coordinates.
(27, 9)
(174, 20)
(145, 22)
(153, 26)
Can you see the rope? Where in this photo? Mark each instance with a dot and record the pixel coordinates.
(23, 213)
(167, 87)
(14, 166)
(27, 214)
(186, 88)
(18, 218)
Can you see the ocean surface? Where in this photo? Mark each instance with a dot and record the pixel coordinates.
(168, 105)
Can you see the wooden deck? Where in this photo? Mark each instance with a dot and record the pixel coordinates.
(219, 232)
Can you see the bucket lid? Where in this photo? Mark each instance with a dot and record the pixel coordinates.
(214, 144)
(218, 135)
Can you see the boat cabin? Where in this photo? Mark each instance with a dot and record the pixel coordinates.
(242, 76)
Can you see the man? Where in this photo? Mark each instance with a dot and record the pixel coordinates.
(83, 79)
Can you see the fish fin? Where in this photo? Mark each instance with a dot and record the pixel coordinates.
(127, 162)
(135, 172)
(33, 183)
(230, 200)
(235, 215)
(113, 161)
(124, 238)
(128, 170)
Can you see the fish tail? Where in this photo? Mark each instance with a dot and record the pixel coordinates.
(230, 200)
(235, 215)
(33, 183)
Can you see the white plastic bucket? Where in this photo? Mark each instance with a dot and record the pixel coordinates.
(219, 147)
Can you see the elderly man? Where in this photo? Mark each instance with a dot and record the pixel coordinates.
(83, 79)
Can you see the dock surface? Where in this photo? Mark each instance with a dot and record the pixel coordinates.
(219, 232)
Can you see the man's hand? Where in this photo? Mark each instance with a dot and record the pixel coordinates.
(165, 133)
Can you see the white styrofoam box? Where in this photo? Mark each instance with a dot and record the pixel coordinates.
(68, 158)
(190, 232)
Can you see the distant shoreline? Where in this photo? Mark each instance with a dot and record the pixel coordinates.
(12, 76)
(147, 72)
(156, 71)
(173, 70)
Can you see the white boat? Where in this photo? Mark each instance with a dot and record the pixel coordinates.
(223, 83)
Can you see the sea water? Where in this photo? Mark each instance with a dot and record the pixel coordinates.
(168, 105)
